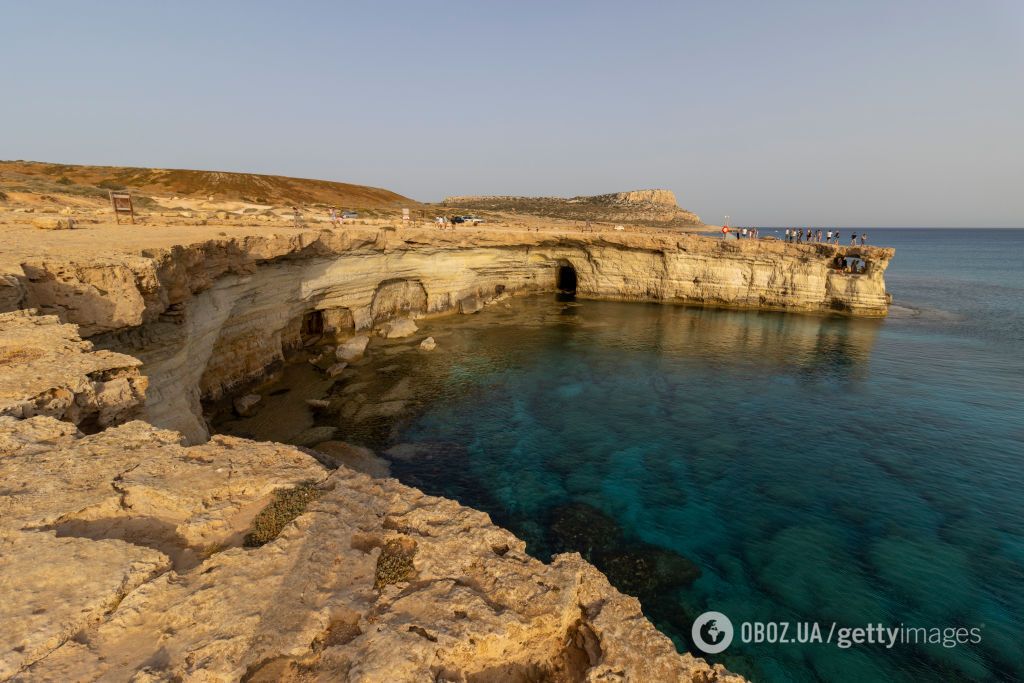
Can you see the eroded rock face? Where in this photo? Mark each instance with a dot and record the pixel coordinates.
(11, 293)
(56, 587)
(84, 520)
(207, 317)
(374, 581)
(46, 369)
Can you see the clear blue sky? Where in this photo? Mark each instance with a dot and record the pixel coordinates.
(776, 113)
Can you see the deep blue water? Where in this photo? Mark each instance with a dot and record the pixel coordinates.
(807, 468)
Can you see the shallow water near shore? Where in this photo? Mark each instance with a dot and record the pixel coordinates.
(772, 467)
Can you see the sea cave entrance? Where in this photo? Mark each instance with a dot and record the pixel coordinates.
(565, 279)
(312, 327)
(850, 263)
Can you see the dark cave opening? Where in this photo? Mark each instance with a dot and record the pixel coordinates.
(312, 326)
(566, 279)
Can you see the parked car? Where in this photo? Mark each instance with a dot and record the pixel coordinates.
(472, 220)
(349, 214)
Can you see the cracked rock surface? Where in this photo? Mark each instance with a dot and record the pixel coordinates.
(46, 369)
(123, 561)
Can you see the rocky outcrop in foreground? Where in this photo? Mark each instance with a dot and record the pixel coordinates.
(46, 369)
(124, 557)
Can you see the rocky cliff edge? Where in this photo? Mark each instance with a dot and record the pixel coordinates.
(125, 555)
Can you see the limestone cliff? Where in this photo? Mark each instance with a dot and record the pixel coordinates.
(642, 207)
(207, 316)
(124, 549)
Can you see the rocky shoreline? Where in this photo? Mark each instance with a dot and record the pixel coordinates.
(126, 548)
(125, 554)
(207, 316)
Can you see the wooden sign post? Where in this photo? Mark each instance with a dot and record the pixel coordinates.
(121, 202)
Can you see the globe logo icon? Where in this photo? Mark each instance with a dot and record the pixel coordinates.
(712, 632)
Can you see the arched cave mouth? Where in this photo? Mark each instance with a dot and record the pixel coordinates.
(565, 280)
(312, 327)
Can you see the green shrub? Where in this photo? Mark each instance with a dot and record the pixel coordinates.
(286, 506)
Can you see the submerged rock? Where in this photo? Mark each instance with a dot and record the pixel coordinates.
(246, 406)
(403, 327)
(428, 344)
(353, 349)
(336, 369)
(400, 391)
(647, 571)
(470, 304)
(384, 409)
(313, 435)
(334, 454)
(410, 452)
(584, 529)
(634, 567)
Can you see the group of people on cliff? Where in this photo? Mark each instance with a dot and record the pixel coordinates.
(827, 237)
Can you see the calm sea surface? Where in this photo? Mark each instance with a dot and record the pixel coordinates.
(772, 467)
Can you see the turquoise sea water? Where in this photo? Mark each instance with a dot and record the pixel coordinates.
(773, 467)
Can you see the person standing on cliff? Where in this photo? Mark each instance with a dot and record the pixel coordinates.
(828, 237)
(836, 237)
(863, 238)
(853, 240)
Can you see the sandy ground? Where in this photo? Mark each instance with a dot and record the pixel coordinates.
(96, 236)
